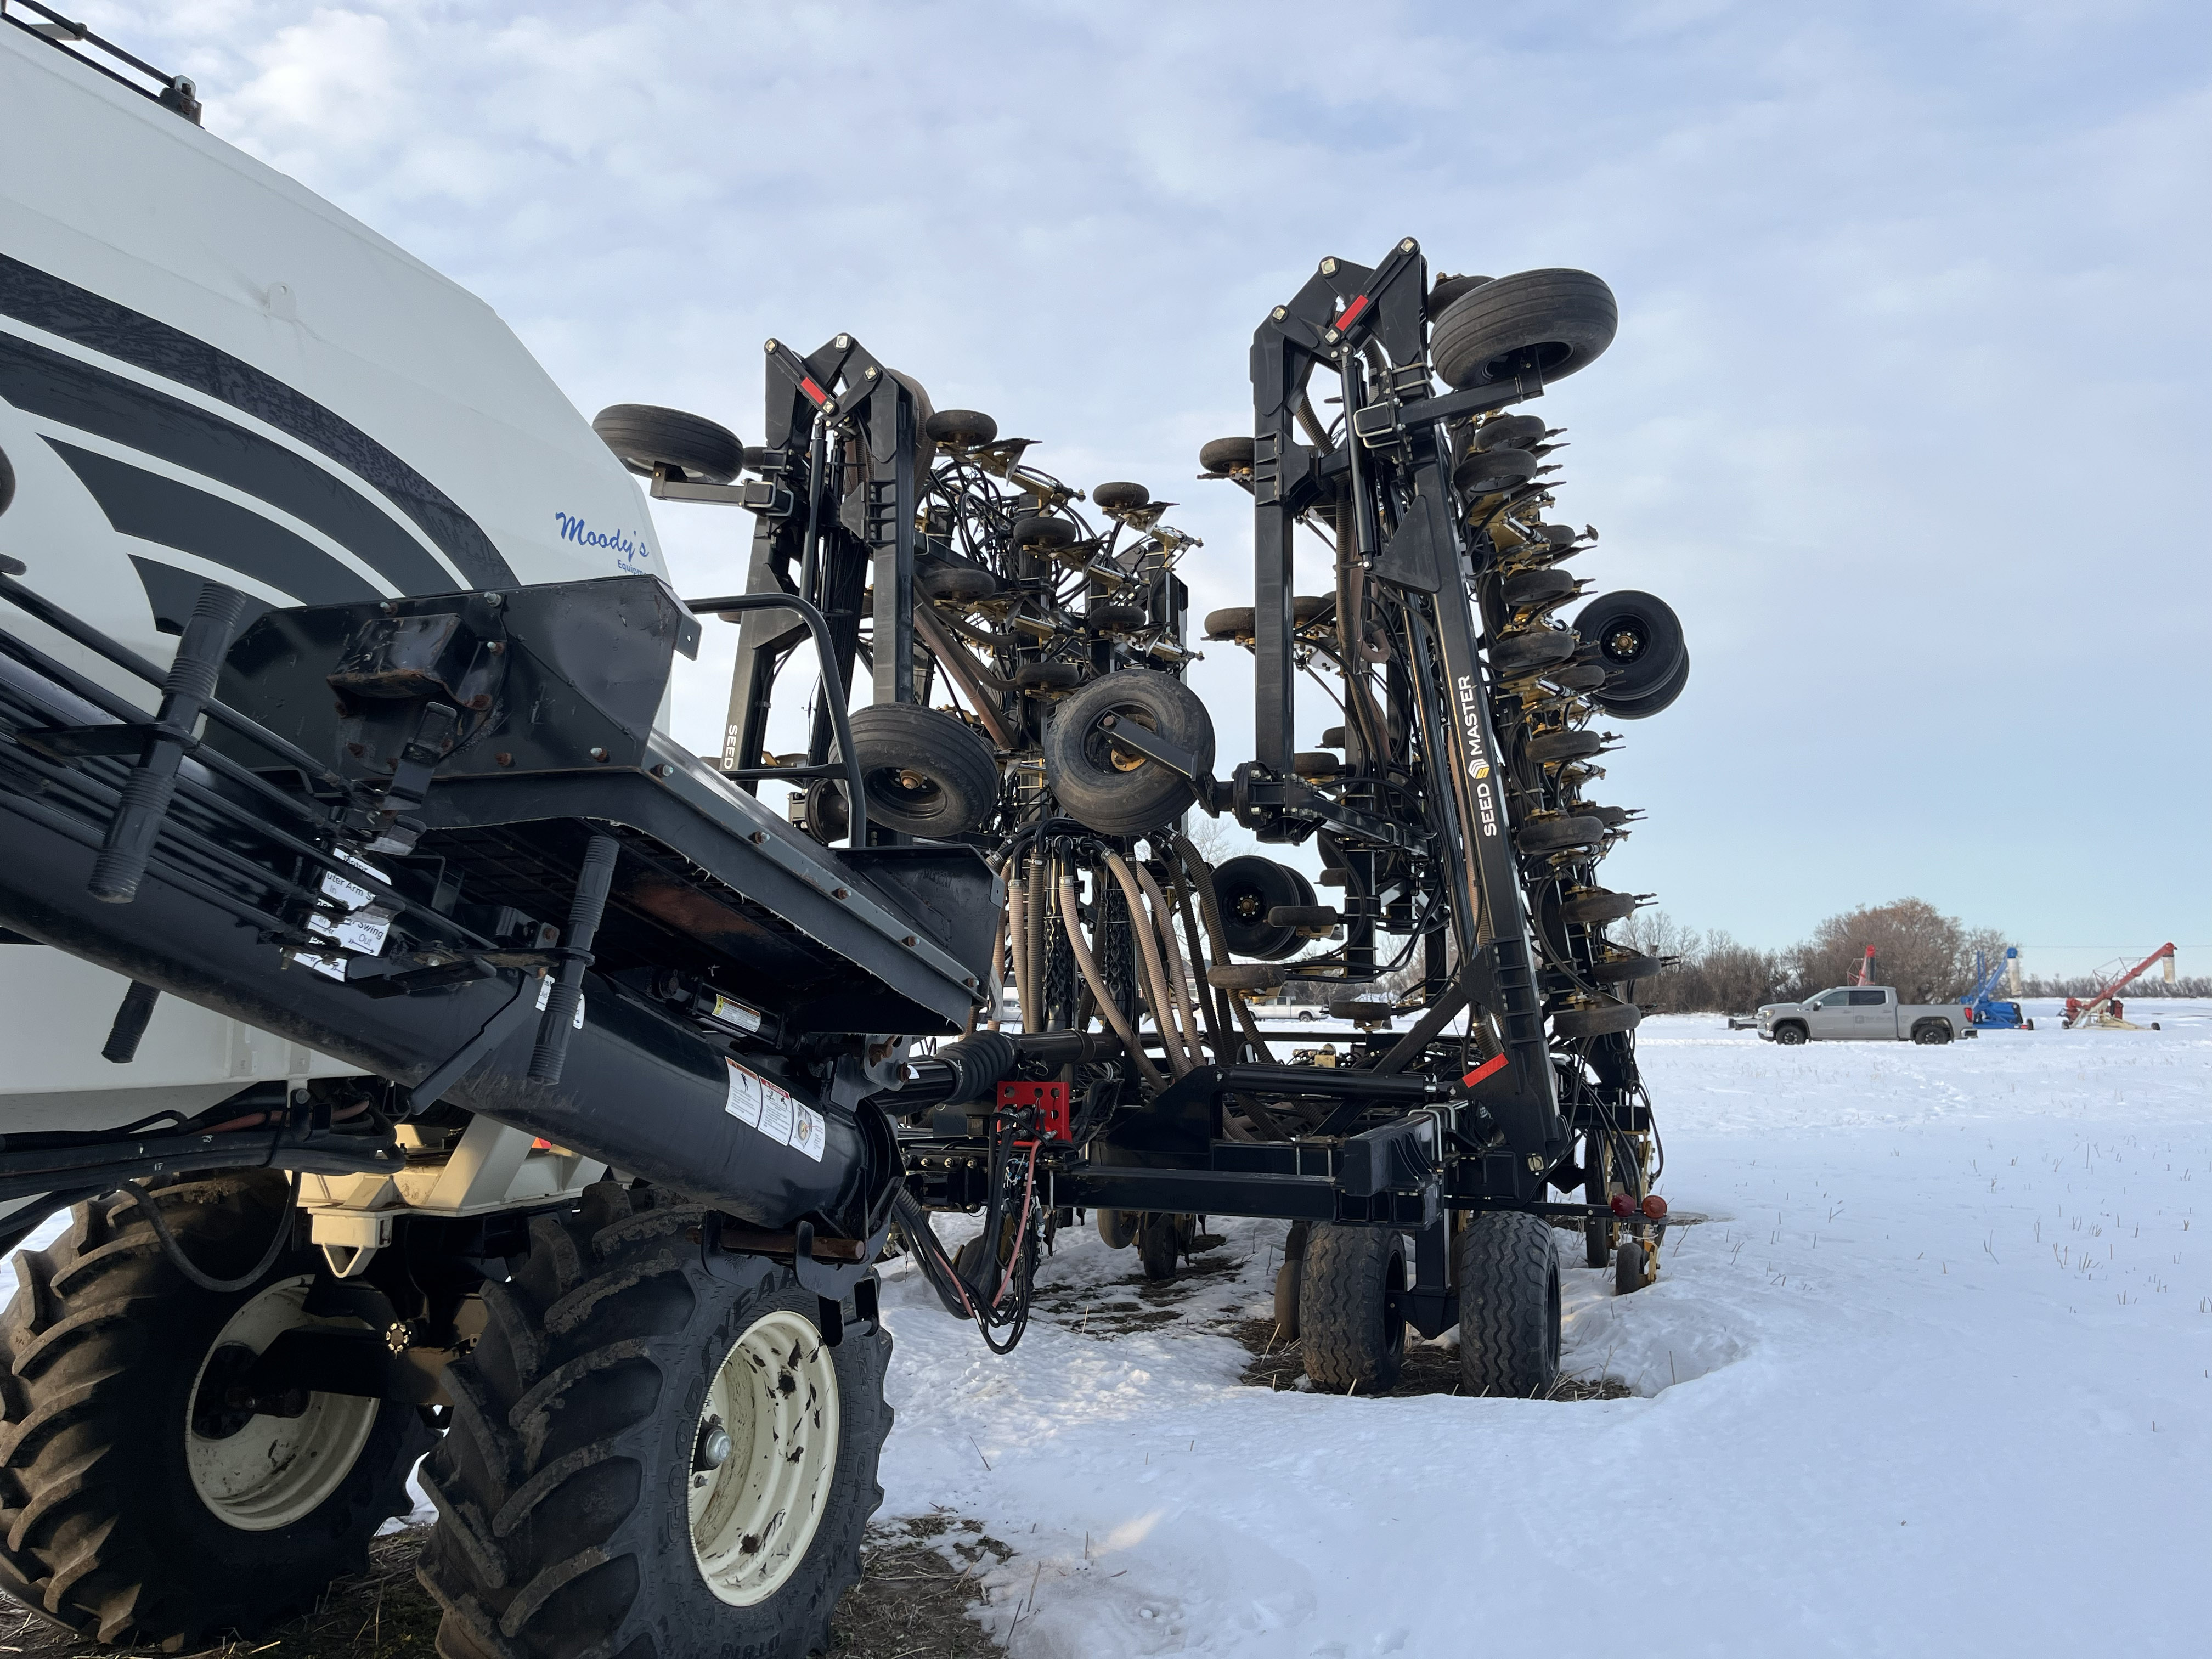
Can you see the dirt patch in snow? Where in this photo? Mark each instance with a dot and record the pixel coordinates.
(917, 1578)
(1430, 1368)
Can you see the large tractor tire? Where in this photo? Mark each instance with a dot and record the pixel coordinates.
(648, 1459)
(1349, 1315)
(136, 1503)
(1509, 1304)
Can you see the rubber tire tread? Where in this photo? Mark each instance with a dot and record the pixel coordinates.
(1598, 906)
(1539, 648)
(1288, 1278)
(1561, 311)
(1626, 969)
(1556, 835)
(1222, 453)
(100, 1527)
(642, 436)
(1509, 1304)
(1547, 746)
(941, 747)
(1120, 497)
(1148, 797)
(1231, 622)
(1354, 1342)
(1532, 587)
(968, 427)
(1603, 1020)
(564, 1530)
(1657, 702)
(1159, 1244)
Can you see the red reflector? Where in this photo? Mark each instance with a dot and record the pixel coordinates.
(1654, 1206)
(1489, 1068)
(1622, 1204)
(814, 392)
(1351, 311)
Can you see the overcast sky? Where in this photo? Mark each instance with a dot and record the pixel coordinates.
(1907, 416)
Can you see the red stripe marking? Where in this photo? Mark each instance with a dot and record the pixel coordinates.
(1489, 1068)
(814, 392)
(1351, 311)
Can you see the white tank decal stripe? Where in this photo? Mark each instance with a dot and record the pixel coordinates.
(62, 308)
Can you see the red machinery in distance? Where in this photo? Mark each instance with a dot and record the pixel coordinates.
(1866, 968)
(2101, 1010)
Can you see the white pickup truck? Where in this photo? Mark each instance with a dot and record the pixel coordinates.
(1864, 1013)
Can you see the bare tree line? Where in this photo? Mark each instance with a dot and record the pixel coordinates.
(1927, 956)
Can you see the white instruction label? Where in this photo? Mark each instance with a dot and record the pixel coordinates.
(362, 930)
(545, 995)
(736, 1013)
(759, 1105)
(777, 1113)
(743, 1101)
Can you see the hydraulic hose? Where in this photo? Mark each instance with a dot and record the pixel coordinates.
(1033, 1009)
(1201, 878)
(1148, 951)
(1014, 930)
(1178, 975)
(1087, 966)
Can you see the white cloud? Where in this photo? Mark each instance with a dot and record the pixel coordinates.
(1907, 416)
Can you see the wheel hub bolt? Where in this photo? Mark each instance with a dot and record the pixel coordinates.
(714, 1447)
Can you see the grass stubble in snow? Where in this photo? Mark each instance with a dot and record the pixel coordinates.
(1930, 1377)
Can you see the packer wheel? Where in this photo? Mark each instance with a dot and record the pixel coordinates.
(1349, 1317)
(1509, 1304)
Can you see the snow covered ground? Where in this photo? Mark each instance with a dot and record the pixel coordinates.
(1932, 1379)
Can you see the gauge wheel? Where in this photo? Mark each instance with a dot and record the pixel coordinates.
(960, 428)
(1249, 890)
(1639, 640)
(1230, 455)
(927, 772)
(1599, 1019)
(690, 448)
(1114, 790)
(1548, 323)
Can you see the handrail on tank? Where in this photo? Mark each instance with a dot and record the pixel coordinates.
(841, 720)
(171, 92)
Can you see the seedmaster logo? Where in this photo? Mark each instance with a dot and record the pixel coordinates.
(1478, 754)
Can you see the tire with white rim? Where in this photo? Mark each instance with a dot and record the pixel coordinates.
(137, 1500)
(648, 1460)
